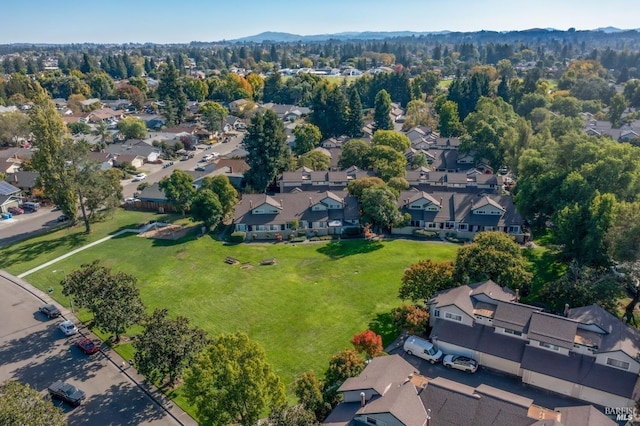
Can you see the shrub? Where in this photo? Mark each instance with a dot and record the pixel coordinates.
(302, 233)
(352, 232)
(237, 236)
(421, 233)
(298, 239)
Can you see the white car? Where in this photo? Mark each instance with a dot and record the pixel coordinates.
(460, 362)
(68, 328)
(139, 177)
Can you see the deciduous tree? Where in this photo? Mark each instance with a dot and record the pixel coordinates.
(132, 128)
(213, 115)
(367, 342)
(206, 207)
(378, 204)
(308, 389)
(357, 186)
(387, 162)
(424, 279)
(414, 319)
(167, 346)
(492, 255)
(178, 188)
(226, 193)
(355, 153)
(314, 160)
(230, 382)
(112, 298)
(307, 136)
(14, 126)
(396, 140)
(295, 415)
(20, 405)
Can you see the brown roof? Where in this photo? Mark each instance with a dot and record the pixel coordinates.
(234, 165)
(586, 415)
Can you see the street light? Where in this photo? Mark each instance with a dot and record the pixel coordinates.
(65, 281)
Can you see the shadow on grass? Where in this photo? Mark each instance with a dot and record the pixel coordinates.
(547, 266)
(340, 249)
(161, 242)
(382, 324)
(23, 253)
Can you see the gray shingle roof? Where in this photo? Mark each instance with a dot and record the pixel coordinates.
(379, 374)
(402, 402)
(552, 329)
(461, 296)
(479, 338)
(580, 369)
(514, 316)
(618, 335)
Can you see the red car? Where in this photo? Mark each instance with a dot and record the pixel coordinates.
(87, 346)
(15, 210)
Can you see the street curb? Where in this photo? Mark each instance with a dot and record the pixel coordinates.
(180, 416)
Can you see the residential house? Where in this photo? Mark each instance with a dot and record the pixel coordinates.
(24, 180)
(136, 161)
(587, 354)
(318, 213)
(105, 115)
(460, 213)
(390, 392)
(11, 159)
(10, 196)
(239, 105)
(103, 158)
(134, 147)
(305, 178)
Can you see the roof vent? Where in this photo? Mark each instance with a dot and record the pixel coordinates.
(363, 399)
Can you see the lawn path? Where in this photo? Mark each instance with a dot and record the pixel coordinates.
(72, 252)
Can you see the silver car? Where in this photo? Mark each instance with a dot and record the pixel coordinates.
(460, 362)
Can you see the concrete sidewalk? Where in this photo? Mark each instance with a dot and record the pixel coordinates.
(175, 412)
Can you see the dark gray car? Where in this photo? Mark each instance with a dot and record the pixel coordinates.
(50, 310)
(66, 392)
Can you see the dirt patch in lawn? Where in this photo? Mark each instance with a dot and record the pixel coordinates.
(170, 232)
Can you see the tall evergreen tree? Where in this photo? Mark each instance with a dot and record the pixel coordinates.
(382, 109)
(170, 91)
(268, 153)
(355, 120)
(336, 112)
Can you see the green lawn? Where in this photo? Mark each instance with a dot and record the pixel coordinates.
(302, 310)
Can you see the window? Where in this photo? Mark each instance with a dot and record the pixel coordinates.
(549, 346)
(436, 313)
(462, 227)
(431, 225)
(454, 317)
(617, 363)
(513, 332)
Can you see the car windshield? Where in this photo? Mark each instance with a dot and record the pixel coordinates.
(430, 351)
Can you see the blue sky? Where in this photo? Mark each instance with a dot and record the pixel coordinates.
(181, 21)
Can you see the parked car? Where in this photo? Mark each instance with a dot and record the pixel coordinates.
(87, 346)
(68, 328)
(139, 177)
(131, 200)
(63, 218)
(49, 310)
(422, 349)
(460, 362)
(66, 392)
(15, 210)
(31, 206)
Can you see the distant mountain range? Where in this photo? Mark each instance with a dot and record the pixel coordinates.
(280, 37)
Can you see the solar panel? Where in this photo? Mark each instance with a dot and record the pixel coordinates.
(7, 189)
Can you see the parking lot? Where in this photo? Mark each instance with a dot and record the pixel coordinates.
(34, 351)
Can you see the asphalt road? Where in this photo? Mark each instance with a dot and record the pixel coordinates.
(27, 225)
(34, 351)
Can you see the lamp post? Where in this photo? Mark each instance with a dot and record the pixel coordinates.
(65, 281)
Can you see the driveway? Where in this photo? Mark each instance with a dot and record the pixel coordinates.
(488, 377)
(34, 351)
(26, 225)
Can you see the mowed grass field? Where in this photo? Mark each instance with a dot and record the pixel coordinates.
(302, 310)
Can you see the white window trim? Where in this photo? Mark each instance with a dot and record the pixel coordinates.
(453, 317)
(611, 362)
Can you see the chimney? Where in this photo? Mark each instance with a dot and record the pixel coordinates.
(363, 400)
(517, 296)
(15, 178)
(230, 169)
(310, 201)
(250, 204)
(281, 203)
(566, 309)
